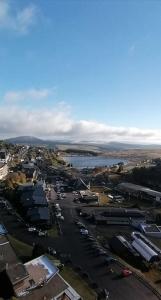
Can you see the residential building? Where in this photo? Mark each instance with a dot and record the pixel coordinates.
(31, 170)
(33, 200)
(44, 282)
(4, 156)
(39, 215)
(12, 271)
(35, 280)
(3, 170)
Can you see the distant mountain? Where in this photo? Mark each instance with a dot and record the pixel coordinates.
(126, 146)
(30, 140)
(64, 144)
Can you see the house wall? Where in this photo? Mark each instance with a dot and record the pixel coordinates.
(3, 171)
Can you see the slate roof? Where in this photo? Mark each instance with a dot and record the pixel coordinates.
(9, 261)
(39, 213)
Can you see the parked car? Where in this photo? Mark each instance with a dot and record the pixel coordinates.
(126, 272)
(109, 259)
(101, 252)
(42, 233)
(32, 229)
(58, 215)
(84, 231)
(51, 251)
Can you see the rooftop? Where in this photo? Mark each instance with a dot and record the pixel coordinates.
(9, 261)
(38, 213)
(151, 228)
(119, 212)
(40, 270)
(48, 291)
(2, 165)
(139, 188)
(3, 230)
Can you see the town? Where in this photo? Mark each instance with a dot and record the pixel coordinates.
(68, 233)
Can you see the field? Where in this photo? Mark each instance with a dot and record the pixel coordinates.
(21, 249)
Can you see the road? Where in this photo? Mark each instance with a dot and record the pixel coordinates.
(71, 242)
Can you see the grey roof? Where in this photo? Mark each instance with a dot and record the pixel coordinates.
(39, 213)
(3, 230)
(55, 286)
(139, 188)
(34, 197)
(9, 261)
(120, 212)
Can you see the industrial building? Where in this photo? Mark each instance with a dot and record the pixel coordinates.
(119, 216)
(123, 248)
(145, 247)
(88, 196)
(151, 230)
(139, 191)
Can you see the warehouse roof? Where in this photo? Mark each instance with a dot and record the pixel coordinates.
(120, 212)
(139, 188)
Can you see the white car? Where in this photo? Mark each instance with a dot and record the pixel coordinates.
(42, 233)
(58, 215)
(32, 229)
(84, 231)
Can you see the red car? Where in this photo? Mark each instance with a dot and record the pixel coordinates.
(126, 272)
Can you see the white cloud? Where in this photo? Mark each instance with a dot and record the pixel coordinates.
(19, 21)
(58, 122)
(30, 94)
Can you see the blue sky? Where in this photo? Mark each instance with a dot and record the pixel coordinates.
(81, 70)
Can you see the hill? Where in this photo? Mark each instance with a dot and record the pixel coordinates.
(84, 145)
(29, 140)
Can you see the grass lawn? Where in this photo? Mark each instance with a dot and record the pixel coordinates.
(78, 283)
(21, 249)
(154, 277)
(53, 232)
